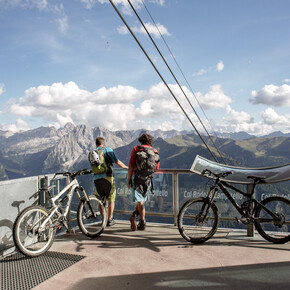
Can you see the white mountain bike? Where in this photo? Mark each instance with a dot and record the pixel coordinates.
(35, 227)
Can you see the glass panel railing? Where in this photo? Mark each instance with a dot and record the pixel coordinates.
(172, 188)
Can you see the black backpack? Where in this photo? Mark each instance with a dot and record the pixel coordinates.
(147, 160)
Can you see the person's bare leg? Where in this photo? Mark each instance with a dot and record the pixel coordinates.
(101, 209)
(136, 209)
(111, 206)
(141, 210)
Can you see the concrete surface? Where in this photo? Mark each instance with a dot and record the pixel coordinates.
(159, 258)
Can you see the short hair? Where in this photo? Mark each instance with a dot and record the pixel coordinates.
(100, 141)
(146, 139)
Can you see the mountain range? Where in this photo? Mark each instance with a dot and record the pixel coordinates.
(46, 150)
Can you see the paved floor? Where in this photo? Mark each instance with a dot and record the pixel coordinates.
(159, 258)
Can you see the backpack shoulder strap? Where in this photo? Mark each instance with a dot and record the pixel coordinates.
(107, 157)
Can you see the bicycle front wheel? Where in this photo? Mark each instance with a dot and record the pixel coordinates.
(198, 220)
(30, 237)
(92, 217)
(272, 220)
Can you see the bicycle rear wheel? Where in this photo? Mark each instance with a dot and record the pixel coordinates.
(275, 229)
(198, 220)
(92, 217)
(29, 238)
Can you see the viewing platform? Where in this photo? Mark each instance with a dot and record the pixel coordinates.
(159, 258)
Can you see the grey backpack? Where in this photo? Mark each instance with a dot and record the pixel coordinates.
(147, 160)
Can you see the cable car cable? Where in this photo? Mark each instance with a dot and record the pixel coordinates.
(124, 21)
(172, 55)
(137, 15)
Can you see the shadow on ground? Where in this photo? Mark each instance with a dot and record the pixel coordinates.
(258, 276)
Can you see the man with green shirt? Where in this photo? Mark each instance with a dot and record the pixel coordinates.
(104, 182)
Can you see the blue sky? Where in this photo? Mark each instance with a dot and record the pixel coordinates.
(74, 61)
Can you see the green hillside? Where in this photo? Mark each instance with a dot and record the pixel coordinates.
(253, 152)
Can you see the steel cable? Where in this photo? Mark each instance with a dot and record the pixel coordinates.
(182, 75)
(157, 71)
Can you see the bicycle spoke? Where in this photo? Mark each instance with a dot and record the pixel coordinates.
(272, 220)
(91, 223)
(30, 237)
(197, 221)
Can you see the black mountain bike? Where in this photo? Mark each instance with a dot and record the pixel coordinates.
(198, 218)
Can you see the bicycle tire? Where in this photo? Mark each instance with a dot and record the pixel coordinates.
(189, 224)
(26, 237)
(274, 230)
(89, 225)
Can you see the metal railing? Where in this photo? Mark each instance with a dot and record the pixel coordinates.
(172, 188)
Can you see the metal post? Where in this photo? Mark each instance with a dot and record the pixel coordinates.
(69, 219)
(175, 196)
(43, 186)
(250, 227)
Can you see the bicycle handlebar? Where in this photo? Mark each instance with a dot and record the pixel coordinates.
(217, 175)
(74, 174)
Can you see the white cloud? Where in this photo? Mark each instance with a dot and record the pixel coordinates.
(159, 2)
(126, 108)
(20, 125)
(269, 122)
(122, 29)
(62, 24)
(120, 107)
(152, 29)
(286, 80)
(200, 72)
(220, 66)
(233, 116)
(215, 98)
(112, 108)
(234, 121)
(39, 4)
(155, 30)
(125, 7)
(272, 95)
(2, 90)
(89, 3)
(270, 117)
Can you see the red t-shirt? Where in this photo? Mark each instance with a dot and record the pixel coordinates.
(132, 162)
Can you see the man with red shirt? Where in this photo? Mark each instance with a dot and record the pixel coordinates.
(140, 186)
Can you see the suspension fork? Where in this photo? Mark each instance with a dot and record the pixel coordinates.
(210, 198)
(84, 198)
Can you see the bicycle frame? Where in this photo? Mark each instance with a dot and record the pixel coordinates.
(222, 185)
(72, 187)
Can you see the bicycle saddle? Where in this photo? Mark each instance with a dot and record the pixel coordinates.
(257, 179)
